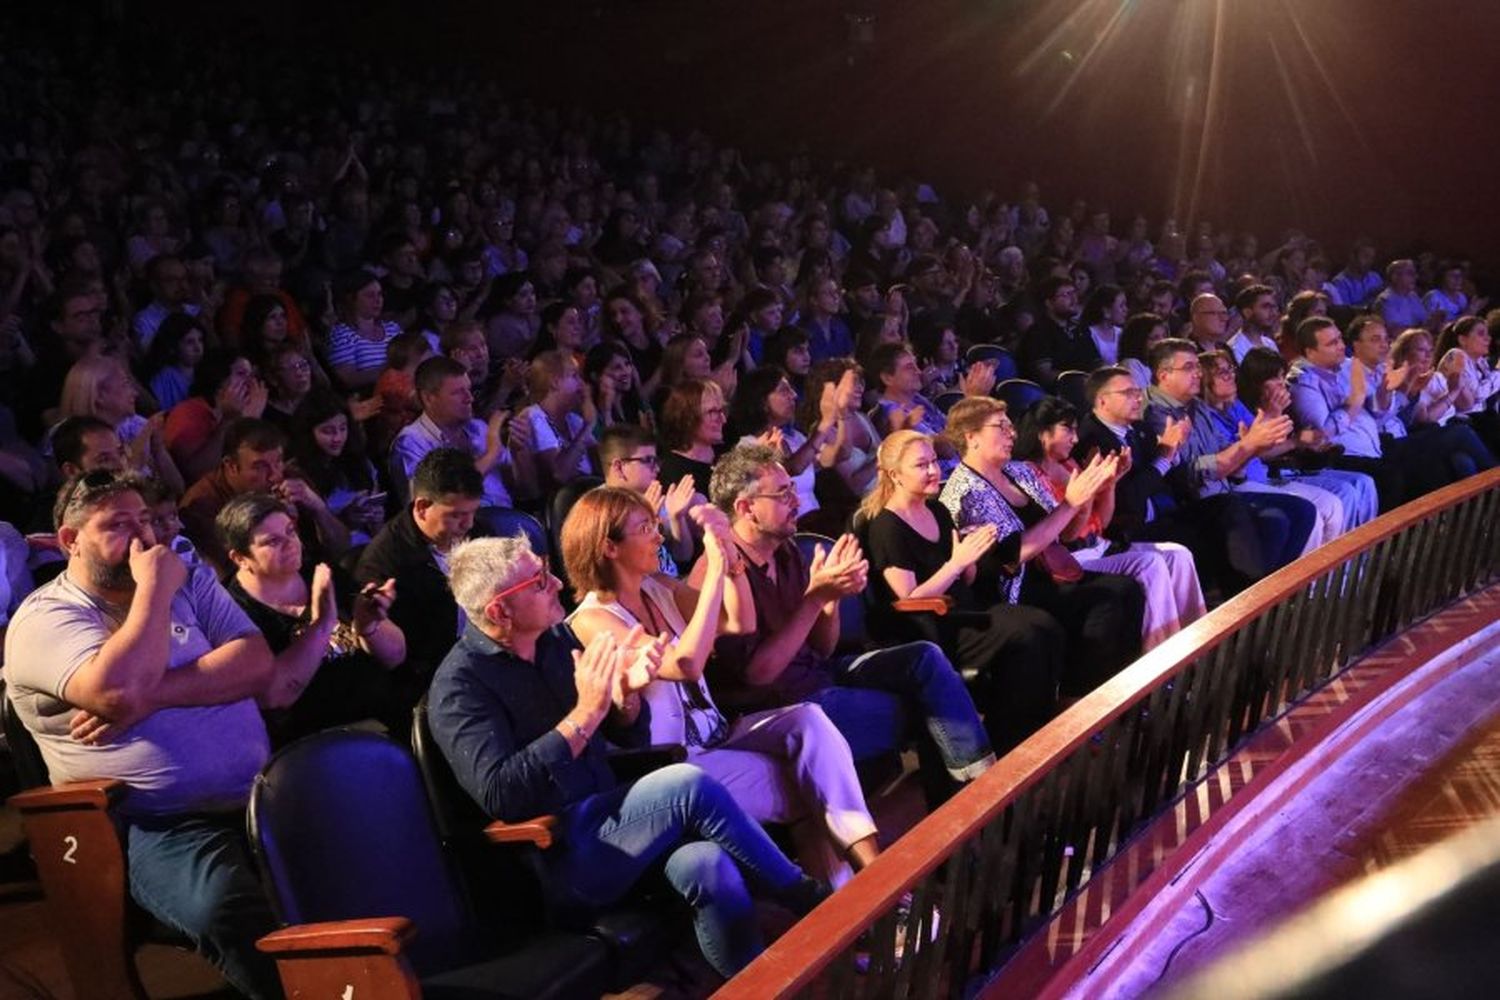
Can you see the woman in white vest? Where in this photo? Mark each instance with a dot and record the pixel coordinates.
(785, 765)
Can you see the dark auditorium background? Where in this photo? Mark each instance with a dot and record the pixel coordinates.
(1339, 117)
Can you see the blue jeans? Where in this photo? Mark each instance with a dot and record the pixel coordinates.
(876, 692)
(683, 821)
(194, 873)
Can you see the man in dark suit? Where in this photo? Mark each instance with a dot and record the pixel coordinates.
(1153, 503)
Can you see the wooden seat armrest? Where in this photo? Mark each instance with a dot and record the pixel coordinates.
(96, 793)
(940, 605)
(536, 831)
(371, 935)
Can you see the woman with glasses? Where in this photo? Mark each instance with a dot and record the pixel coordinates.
(692, 431)
(782, 765)
(289, 379)
(1342, 499)
(1101, 613)
(334, 646)
(1165, 570)
(1014, 660)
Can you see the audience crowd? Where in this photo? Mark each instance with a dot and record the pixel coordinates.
(287, 355)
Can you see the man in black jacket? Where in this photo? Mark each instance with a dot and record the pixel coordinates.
(413, 548)
(1219, 530)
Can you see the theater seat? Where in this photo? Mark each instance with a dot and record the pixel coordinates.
(558, 507)
(502, 522)
(637, 932)
(349, 852)
(75, 842)
(1004, 361)
(1071, 386)
(1018, 395)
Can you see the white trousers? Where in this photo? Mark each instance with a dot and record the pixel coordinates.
(1168, 575)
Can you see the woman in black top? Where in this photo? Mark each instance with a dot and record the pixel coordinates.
(1014, 660)
(332, 666)
(692, 431)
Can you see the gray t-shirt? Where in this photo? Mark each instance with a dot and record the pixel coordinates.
(176, 760)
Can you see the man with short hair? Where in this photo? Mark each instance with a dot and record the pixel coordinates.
(1400, 305)
(1259, 319)
(790, 657)
(413, 550)
(130, 665)
(522, 717)
(1329, 394)
(87, 444)
(448, 421)
(253, 462)
(1205, 469)
(901, 404)
(170, 292)
(1056, 342)
(1208, 322)
(1220, 530)
(1358, 283)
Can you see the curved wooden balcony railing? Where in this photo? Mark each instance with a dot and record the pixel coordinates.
(1004, 855)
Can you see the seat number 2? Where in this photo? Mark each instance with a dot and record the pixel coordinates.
(72, 844)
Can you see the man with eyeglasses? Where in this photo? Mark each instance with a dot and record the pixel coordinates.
(1056, 342)
(872, 698)
(1208, 322)
(522, 714)
(131, 665)
(1203, 470)
(628, 454)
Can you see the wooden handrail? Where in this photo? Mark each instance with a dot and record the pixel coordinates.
(793, 961)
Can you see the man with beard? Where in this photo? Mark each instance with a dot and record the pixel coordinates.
(130, 665)
(871, 698)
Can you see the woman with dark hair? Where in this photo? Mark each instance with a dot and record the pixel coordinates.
(513, 322)
(357, 342)
(764, 411)
(839, 384)
(173, 357)
(628, 321)
(1165, 570)
(1468, 339)
(562, 327)
(615, 387)
(1104, 316)
(224, 389)
(439, 307)
(1140, 332)
(692, 431)
(620, 241)
(935, 342)
(334, 646)
(787, 349)
(327, 450)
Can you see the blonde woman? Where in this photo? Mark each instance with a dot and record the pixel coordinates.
(915, 550)
(780, 765)
(101, 386)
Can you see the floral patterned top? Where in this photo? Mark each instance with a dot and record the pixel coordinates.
(973, 501)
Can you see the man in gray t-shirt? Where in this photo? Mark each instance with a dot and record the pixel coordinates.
(131, 666)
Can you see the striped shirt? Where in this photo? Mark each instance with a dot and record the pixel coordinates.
(347, 349)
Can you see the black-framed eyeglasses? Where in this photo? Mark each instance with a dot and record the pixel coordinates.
(649, 461)
(786, 494)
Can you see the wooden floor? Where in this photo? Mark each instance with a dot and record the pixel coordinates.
(1430, 769)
